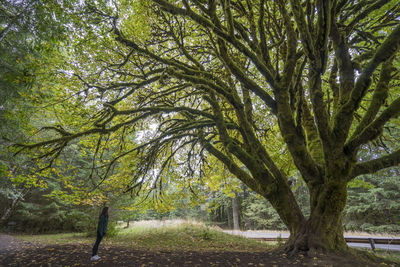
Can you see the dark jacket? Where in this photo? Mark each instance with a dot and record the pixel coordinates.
(102, 226)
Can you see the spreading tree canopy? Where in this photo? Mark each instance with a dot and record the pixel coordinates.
(261, 86)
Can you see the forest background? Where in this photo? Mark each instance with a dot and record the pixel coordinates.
(66, 196)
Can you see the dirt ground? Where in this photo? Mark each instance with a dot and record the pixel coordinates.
(14, 252)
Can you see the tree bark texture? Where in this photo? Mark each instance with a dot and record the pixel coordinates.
(323, 230)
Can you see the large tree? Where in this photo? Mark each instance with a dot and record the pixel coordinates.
(256, 84)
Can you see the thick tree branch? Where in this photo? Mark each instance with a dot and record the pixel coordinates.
(344, 64)
(375, 6)
(324, 23)
(233, 167)
(306, 37)
(376, 164)
(320, 112)
(263, 37)
(295, 139)
(344, 116)
(291, 45)
(314, 145)
(203, 21)
(250, 161)
(165, 110)
(245, 80)
(381, 92)
(375, 128)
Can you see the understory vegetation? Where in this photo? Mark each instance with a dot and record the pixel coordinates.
(185, 236)
(373, 206)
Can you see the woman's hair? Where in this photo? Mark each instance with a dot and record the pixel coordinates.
(104, 212)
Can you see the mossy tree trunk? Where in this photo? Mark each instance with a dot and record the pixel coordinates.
(323, 229)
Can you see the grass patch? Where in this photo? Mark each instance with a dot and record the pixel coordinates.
(379, 257)
(182, 237)
(389, 255)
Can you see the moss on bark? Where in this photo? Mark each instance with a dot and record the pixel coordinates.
(323, 229)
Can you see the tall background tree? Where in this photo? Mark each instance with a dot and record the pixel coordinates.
(264, 87)
(26, 39)
(31, 32)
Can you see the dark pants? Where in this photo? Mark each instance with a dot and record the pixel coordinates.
(96, 245)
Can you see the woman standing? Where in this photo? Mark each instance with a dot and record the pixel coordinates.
(101, 231)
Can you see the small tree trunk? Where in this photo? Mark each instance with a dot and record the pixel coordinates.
(8, 211)
(247, 224)
(235, 213)
(20, 195)
(229, 216)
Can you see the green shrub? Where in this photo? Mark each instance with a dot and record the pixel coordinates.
(112, 229)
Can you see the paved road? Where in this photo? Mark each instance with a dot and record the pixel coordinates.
(257, 234)
(380, 246)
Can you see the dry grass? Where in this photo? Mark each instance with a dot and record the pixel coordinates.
(181, 235)
(175, 235)
(163, 223)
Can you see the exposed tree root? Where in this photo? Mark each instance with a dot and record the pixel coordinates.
(306, 242)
